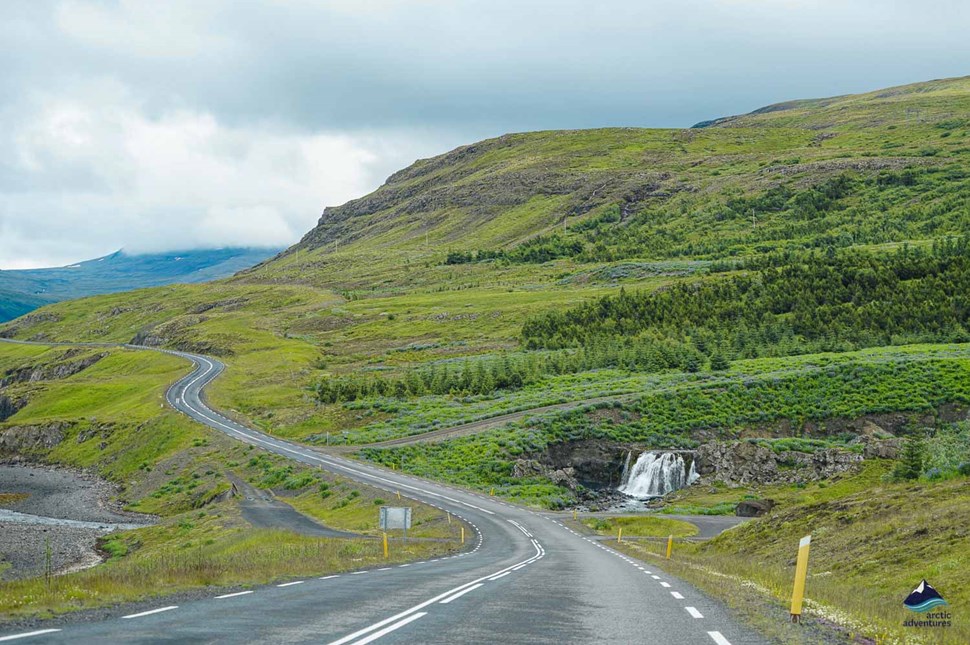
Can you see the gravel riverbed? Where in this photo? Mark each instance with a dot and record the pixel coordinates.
(64, 510)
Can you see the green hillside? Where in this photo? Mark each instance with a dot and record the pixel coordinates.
(779, 277)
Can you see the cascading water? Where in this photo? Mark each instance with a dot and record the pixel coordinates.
(657, 473)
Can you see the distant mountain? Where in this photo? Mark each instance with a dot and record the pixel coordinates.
(22, 291)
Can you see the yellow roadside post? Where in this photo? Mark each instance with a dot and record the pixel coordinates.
(463, 535)
(670, 545)
(575, 515)
(399, 494)
(619, 535)
(491, 492)
(449, 516)
(801, 571)
(385, 545)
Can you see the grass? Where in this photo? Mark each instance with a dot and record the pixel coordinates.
(640, 526)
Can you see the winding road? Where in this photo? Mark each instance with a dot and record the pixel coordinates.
(525, 578)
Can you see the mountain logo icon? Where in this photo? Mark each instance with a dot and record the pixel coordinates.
(924, 598)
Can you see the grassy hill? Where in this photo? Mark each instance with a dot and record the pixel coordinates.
(770, 276)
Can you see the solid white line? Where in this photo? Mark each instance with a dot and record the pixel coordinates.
(391, 628)
(460, 594)
(233, 595)
(676, 595)
(719, 638)
(28, 634)
(153, 611)
(693, 612)
(501, 575)
(290, 584)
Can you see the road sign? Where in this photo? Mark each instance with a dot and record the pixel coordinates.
(395, 517)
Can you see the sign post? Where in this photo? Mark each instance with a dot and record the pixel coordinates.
(801, 572)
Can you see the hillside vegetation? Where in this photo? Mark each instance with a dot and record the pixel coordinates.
(780, 277)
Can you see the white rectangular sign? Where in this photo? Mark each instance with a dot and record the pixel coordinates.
(395, 517)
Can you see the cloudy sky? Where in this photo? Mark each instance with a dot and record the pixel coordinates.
(170, 125)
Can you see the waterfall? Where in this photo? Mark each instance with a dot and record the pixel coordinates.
(657, 473)
(626, 469)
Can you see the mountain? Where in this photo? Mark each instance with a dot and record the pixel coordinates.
(858, 170)
(22, 291)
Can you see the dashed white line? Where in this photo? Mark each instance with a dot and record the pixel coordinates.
(290, 584)
(153, 611)
(676, 595)
(718, 638)
(328, 577)
(665, 584)
(693, 612)
(39, 632)
(233, 595)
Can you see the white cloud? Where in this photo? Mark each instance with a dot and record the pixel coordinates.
(106, 175)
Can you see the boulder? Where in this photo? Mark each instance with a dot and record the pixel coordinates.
(753, 507)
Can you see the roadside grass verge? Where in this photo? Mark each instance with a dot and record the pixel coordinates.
(176, 557)
(872, 543)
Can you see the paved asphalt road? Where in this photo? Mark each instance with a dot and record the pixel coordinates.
(525, 578)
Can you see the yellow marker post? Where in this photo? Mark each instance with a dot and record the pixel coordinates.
(399, 494)
(670, 545)
(491, 492)
(449, 516)
(619, 535)
(575, 515)
(385, 545)
(463, 535)
(801, 572)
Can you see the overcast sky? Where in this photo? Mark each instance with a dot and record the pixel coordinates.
(167, 125)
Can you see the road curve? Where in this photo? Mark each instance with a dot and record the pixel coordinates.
(525, 578)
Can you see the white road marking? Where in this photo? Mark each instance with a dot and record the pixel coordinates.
(233, 595)
(719, 638)
(501, 575)
(676, 595)
(387, 630)
(460, 594)
(665, 584)
(39, 632)
(655, 577)
(693, 612)
(328, 577)
(153, 611)
(358, 573)
(290, 584)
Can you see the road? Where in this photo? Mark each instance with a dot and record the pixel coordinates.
(525, 578)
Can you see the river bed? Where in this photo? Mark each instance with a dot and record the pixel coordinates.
(59, 510)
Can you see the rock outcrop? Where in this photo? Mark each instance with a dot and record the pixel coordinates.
(744, 462)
